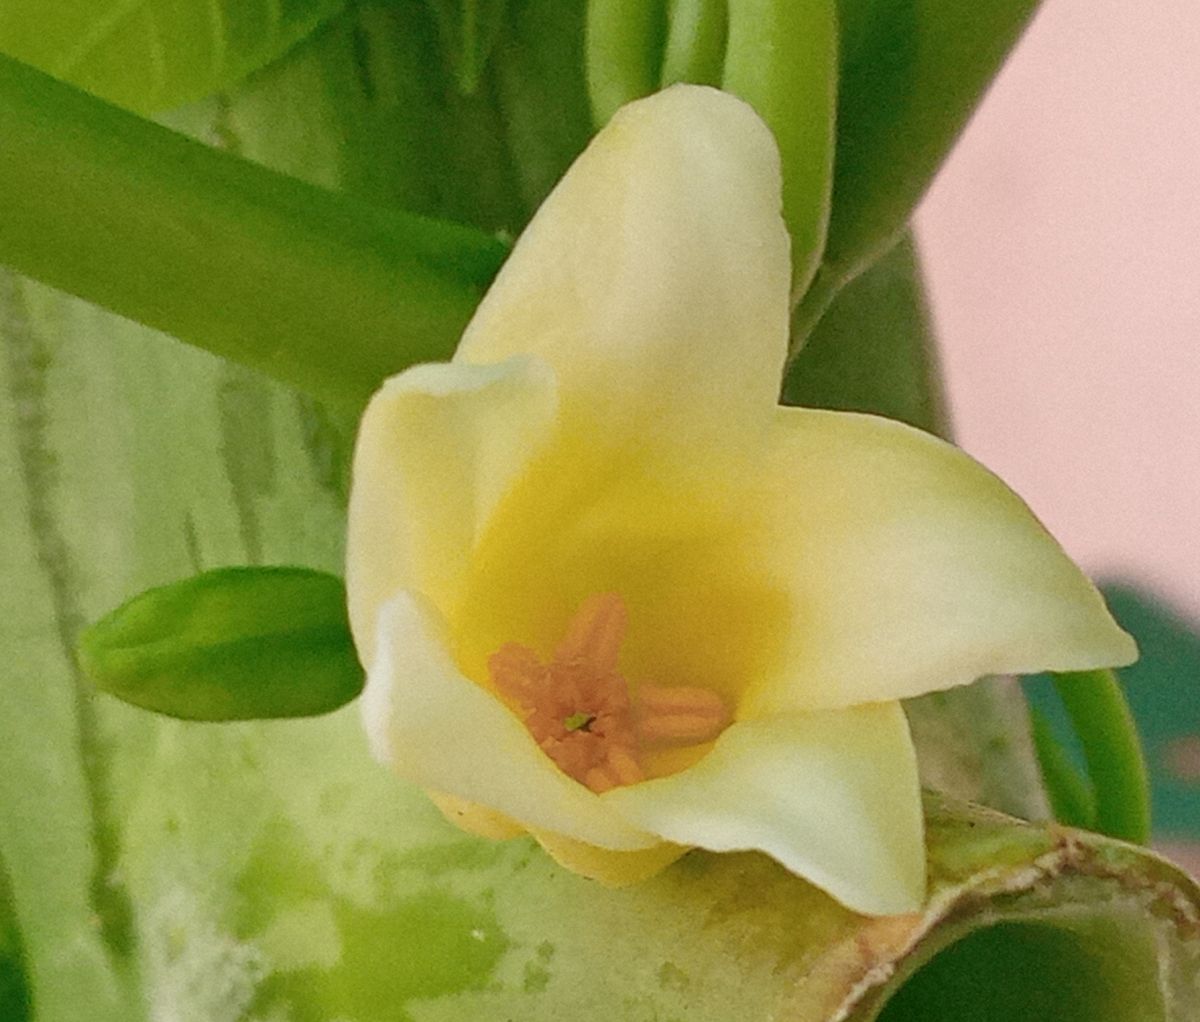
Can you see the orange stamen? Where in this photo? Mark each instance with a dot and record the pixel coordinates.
(679, 715)
(578, 707)
(595, 633)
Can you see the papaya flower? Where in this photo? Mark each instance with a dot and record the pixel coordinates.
(611, 594)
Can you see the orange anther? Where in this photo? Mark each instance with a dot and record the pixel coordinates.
(595, 633)
(677, 728)
(516, 672)
(679, 715)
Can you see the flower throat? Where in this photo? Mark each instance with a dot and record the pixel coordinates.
(579, 707)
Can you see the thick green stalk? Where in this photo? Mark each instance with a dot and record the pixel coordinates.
(320, 291)
(1116, 765)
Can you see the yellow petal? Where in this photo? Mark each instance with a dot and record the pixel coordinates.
(438, 447)
(476, 819)
(911, 569)
(612, 869)
(833, 796)
(699, 612)
(444, 733)
(654, 279)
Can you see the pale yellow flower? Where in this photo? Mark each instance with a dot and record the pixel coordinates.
(609, 593)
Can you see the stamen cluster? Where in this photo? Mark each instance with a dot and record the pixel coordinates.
(579, 707)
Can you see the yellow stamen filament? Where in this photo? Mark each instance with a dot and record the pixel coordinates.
(578, 707)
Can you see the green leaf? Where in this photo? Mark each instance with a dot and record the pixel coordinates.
(126, 460)
(230, 644)
(912, 72)
(319, 290)
(151, 55)
(385, 119)
(1161, 688)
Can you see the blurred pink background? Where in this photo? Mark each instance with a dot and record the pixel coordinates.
(1062, 244)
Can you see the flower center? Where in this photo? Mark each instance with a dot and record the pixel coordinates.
(578, 705)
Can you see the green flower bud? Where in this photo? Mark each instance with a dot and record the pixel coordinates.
(230, 644)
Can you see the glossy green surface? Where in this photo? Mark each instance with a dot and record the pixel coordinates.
(1023, 971)
(781, 56)
(1100, 716)
(229, 644)
(319, 290)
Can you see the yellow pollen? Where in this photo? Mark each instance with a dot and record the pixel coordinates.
(578, 706)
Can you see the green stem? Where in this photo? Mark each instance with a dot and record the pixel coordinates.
(624, 45)
(1071, 797)
(320, 291)
(782, 59)
(1101, 718)
(695, 48)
